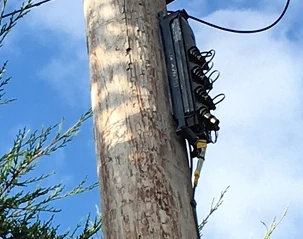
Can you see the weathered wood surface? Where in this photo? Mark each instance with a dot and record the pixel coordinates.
(144, 177)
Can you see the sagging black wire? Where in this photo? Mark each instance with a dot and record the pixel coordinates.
(25, 8)
(242, 31)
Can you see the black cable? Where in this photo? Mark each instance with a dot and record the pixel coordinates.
(193, 202)
(194, 207)
(242, 31)
(26, 8)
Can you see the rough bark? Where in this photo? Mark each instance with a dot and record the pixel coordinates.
(142, 165)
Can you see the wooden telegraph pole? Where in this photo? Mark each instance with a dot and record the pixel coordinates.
(142, 165)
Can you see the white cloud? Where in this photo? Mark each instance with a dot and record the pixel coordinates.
(68, 77)
(61, 16)
(61, 25)
(258, 152)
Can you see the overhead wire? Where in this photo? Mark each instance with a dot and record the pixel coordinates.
(242, 31)
(29, 6)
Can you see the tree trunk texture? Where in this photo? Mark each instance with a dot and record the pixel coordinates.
(142, 165)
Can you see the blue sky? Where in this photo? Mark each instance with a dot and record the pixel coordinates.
(259, 149)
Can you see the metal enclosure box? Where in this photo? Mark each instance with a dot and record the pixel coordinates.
(177, 39)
